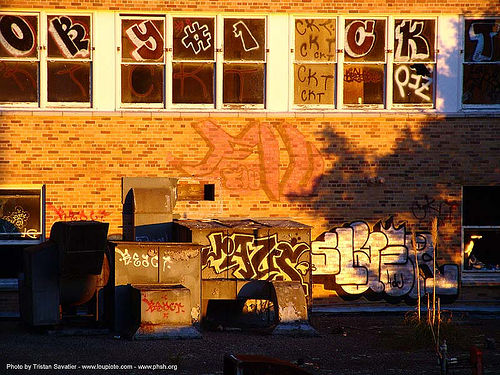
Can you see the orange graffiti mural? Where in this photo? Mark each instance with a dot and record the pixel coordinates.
(229, 157)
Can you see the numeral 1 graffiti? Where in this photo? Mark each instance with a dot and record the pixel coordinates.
(241, 30)
(18, 35)
(380, 260)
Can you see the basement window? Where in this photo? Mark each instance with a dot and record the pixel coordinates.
(481, 233)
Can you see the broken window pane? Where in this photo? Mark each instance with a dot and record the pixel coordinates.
(481, 249)
(18, 81)
(68, 81)
(244, 39)
(363, 84)
(365, 40)
(193, 83)
(142, 40)
(315, 39)
(481, 84)
(18, 36)
(314, 83)
(482, 40)
(194, 38)
(142, 83)
(413, 83)
(69, 37)
(244, 83)
(414, 40)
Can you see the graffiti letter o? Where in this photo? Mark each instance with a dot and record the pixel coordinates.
(16, 35)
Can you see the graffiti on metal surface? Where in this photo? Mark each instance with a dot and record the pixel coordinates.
(227, 158)
(264, 258)
(163, 305)
(71, 36)
(70, 215)
(380, 260)
(426, 208)
(142, 260)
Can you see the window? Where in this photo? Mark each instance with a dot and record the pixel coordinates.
(193, 68)
(481, 66)
(19, 58)
(56, 72)
(143, 61)
(314, 53)
(244, 61)
(414, 62)
(364, 62)
(481, 233)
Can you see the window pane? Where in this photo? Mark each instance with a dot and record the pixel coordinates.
(481, 250)
(363, 84)
(365, 40)
(194, 39)
(480, 205)
(18, 36)
(19, 213)
(244, 39)
(413, 83)
(68, 81)
(142, 40)
(142, 83)
(414, 40)
(481, 84)
(314, 83)
(482, 40)
(193, 83)
(69, 36)
(18, 81)
(315, 39)
(244, 83)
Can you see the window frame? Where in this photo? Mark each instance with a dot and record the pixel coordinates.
(462, 105)
(476, 276)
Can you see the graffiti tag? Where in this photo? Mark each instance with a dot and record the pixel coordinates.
(163, 306)
(427, 208)
(147, 39)
(144, 260)
(226, 154)
(248, 41)
(17, 35)
(410, 43)
(70, 215)
(71, 37)
(263, 258)
(380, 260)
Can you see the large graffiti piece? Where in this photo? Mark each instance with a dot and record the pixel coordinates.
(381, 261)
(228, 157)
(244, 256)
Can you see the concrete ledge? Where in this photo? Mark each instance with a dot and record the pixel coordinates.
(295, 329)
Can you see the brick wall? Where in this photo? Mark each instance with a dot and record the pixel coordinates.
(323, 171)
(479, 7)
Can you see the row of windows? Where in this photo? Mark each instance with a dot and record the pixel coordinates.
(163, 61)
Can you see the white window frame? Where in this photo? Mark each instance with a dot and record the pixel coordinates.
(221, 61)
(392, 62)
(292, 62)
(463, 63)
(42, 40)
(119, 17)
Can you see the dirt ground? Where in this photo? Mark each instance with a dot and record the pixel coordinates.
(347, 344)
